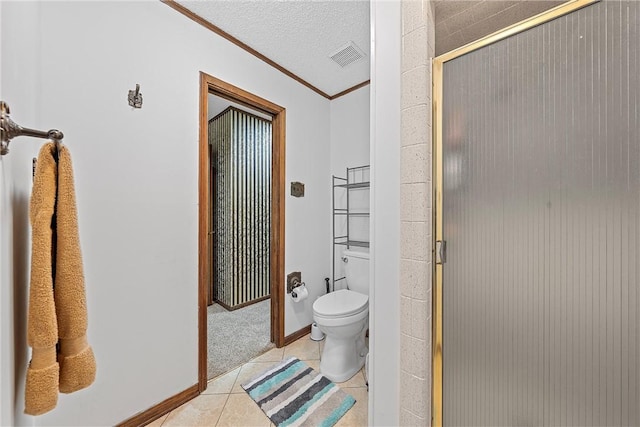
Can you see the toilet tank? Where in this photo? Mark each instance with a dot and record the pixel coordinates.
(356, 269)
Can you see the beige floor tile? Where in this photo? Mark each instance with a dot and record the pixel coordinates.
(357, 416)
(355, 381)
(222, 384)
(249, 371)
(273, 355)
(303, 349)
(241, 410)
(158, 422)
(203, 410)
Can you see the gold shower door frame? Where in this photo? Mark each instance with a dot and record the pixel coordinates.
(437, 73)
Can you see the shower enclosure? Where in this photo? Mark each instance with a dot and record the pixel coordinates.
(539, 204)
(241, 216)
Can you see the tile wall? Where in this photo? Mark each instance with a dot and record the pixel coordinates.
(418, 42)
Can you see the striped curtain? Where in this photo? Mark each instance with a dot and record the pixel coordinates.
(241, 147)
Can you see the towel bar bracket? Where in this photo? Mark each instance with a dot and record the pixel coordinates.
(10, 129)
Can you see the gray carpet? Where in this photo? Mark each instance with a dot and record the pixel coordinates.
(235, 337)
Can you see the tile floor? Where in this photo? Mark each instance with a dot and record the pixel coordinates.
(225, 403)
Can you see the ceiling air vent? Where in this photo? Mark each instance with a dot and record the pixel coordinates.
(347, 54)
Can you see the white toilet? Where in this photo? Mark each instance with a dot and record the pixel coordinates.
(343, 316)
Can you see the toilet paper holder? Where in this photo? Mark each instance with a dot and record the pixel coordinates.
(296, 283)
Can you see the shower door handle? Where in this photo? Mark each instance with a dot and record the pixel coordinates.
(441, 251)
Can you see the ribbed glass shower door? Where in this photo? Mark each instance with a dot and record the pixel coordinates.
(541, 215)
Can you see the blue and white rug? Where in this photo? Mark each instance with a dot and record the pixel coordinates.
(293, 394)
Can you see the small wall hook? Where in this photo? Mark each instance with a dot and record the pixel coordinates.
(135, 97)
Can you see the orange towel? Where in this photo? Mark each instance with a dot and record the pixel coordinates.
(41, 393)
(77, 362)
(57, 305)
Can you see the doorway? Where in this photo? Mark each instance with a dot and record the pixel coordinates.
(537, 176)
(207, 176)
(238, 316)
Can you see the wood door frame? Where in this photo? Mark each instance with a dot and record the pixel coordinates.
(210, 84)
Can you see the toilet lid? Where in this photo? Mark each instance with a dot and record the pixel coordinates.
(340, 303)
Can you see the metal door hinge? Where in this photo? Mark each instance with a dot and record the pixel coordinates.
(441, 251)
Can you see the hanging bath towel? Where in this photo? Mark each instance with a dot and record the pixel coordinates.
(77, 362)
(41, 393)
(67, 322)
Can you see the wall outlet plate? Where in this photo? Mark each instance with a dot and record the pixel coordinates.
(294, 277)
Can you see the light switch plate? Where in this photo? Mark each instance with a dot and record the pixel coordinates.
(297, 189)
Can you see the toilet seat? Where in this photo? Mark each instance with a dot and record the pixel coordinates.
(340, 303)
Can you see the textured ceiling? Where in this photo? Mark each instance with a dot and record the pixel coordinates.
(298, 35)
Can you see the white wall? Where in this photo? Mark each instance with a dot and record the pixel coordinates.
(19, 87)
(136, 182)
(350, 148)
(385, 220)
(350, 131)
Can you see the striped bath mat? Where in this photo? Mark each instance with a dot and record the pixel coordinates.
(293, 394)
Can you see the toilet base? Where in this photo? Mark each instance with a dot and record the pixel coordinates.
(342, 358)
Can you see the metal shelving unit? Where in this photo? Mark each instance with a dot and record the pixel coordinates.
(357, 178)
